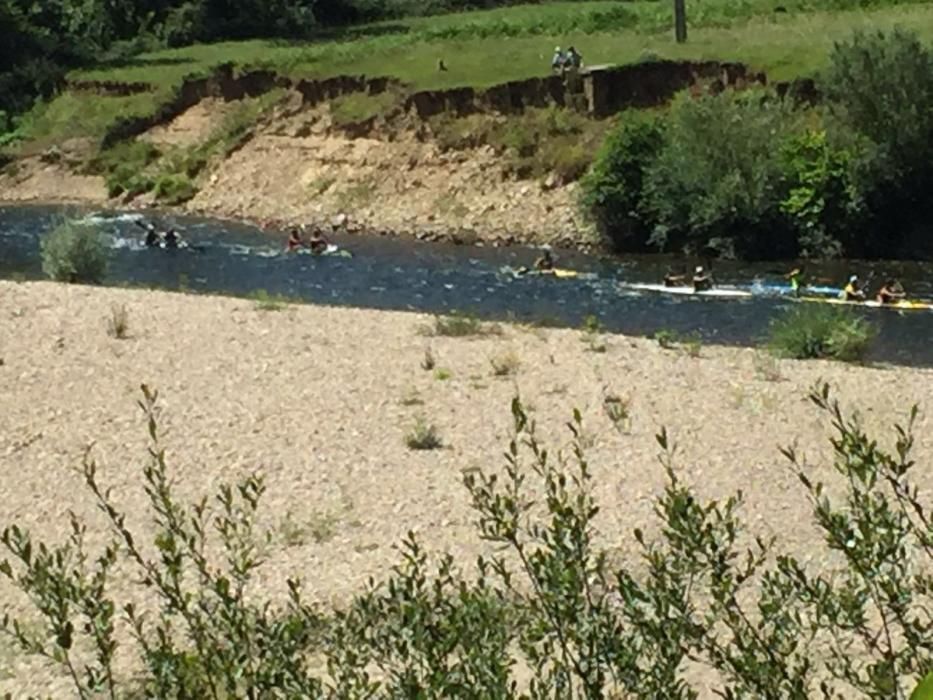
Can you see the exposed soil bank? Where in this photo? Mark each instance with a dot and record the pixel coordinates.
(385, 174)
(319, 398)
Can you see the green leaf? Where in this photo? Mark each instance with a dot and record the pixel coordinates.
(924, 691)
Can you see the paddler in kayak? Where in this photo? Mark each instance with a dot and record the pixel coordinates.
(171, 239)
(317, 243)
(794, 277)
(152, 236)
(676, 278)
(853, 290)
(702, 280)
(294, 241)
(891, 292)
(545, 262)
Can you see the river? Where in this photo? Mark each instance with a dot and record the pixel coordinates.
(392, 273)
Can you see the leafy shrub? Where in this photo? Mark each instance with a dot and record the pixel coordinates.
(612, 192)
(880, 86)
(174, 188)
(819, 195)
(717, 181)
(124, 167)
(74, 252)
(812, 331)
(547, 600)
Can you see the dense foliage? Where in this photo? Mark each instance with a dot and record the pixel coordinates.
(548, 606)
(752, 175)
(74, 252)
(42, 40)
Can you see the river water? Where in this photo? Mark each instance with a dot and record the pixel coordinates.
(402, 274)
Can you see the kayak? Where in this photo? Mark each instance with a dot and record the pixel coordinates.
(715, 292)
(331, 250)
(771, 288)
(903, 305)
(559, 272)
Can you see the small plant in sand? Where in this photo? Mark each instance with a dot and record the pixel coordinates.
(269, 302)
(74, 252)
(442, 375)
(767, 367)
(459, 325)
(667, 339)
(592, 330)
(428, 362)
(619, 411)
(505, 365)
(118, 323)
(423, 436)
(692, 345)
(411, 398)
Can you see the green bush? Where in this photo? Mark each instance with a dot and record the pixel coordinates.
(174, 188)
(813, 331)
(880, 86)
(717, 182)
(546, 605)
(612, 192)
(74, 252)
(820, 194)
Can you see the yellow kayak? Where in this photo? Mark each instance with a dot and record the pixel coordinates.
(559, 272)
(903, 305)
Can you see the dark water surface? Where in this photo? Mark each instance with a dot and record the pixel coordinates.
(387, 273)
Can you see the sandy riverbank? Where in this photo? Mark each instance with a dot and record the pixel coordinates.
(319, 400)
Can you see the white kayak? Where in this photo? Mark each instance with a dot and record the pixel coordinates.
(715, 292)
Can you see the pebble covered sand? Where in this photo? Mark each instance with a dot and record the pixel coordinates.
(319, 400)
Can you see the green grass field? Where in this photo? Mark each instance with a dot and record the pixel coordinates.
(485, 48)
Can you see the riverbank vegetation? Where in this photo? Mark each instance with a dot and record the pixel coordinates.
(551, 605)
(74, 252)
(790, 180)
(751, 175)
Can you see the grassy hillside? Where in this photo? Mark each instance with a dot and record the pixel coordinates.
(485, 48)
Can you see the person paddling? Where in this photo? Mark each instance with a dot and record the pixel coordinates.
(294, 241)
(702, 280)
(171, 238)
(317, 243)
(152, 236)
(891, 292)
(545, 262)
(794, 277)
(676, 278)
(853, 290)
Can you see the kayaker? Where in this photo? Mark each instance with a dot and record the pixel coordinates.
(545, 262)
(702, 280)
(171, 239)
(317, 243)
(853, 290)
(891, 291)
(794, 277)
(294, 241)
(152, 236)
(675, 279)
